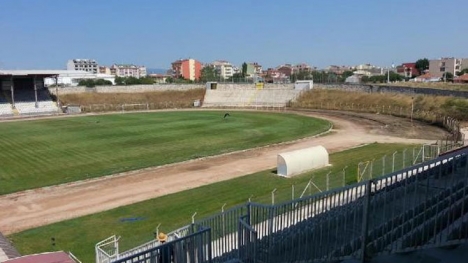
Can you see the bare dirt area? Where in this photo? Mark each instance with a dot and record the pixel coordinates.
(33, 208)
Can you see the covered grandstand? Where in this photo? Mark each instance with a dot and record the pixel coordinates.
(23, 93)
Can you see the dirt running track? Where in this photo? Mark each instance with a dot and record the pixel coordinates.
(33, 208)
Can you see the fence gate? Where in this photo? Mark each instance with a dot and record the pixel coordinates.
(107, 250)
(248, 239)
(430, 151)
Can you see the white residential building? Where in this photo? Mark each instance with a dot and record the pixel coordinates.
(88, 65)
(73, 77)
(224, 68)
(128, 70)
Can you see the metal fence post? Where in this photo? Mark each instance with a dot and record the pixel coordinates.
(328, 181)
(404, 159)
(193, 217)
(393, 161)
(383, 164)
(292, 192)
(224, 224)
(365, 220)
(273, 196)
(344, 176)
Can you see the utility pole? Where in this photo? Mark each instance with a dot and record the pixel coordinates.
(388, 75)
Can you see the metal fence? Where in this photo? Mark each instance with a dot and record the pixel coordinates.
(191, 248)
(423, 206)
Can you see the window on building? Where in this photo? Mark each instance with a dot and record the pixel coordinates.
(442, 69)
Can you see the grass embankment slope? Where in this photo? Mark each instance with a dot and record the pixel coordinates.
(155, 100)
(424, 106)
(172, 211)
(430, 85)
(53, 151)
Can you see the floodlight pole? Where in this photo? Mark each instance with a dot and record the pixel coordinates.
(56, 91)
(12, 90)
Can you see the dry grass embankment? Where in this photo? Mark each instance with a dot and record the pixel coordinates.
(430, 85)
(426, 108)
(150, 100)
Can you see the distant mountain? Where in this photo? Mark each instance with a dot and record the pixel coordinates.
(156, 71)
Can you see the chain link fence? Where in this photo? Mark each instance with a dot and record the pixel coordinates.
(363, 171)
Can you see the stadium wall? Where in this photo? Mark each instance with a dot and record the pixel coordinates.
(344, 87)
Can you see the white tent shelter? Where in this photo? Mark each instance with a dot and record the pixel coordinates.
(300, 161)
(304, 85)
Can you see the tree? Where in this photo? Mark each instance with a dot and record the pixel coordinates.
(364, 79)
(89, 83)
(301, 75)
(422, 65)
(236, 77)
(244, 69)
(447, 76)
(119, 81)
(463, 71)
(346, 74)
(208, 73)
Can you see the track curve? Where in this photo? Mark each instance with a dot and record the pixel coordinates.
(37, 207)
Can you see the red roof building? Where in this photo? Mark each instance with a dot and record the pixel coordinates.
(49, 257)
(462, 79)
(408, 70)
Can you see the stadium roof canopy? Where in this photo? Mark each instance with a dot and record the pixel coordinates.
(22, 73)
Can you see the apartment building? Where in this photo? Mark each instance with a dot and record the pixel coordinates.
(438, 67)
(224, 69)
(104, 70)
(338, 70)
(88, 65)
(289, 69)
(187, 69)
(128, 70)
(254, 69)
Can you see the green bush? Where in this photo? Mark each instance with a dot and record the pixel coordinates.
(90, 83)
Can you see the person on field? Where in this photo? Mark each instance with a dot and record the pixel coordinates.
(166, 251)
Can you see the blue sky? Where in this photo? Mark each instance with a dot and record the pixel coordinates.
(45, 34)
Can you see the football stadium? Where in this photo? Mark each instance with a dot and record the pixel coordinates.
(228, 173)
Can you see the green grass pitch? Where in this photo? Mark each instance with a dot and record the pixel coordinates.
(52, 151)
